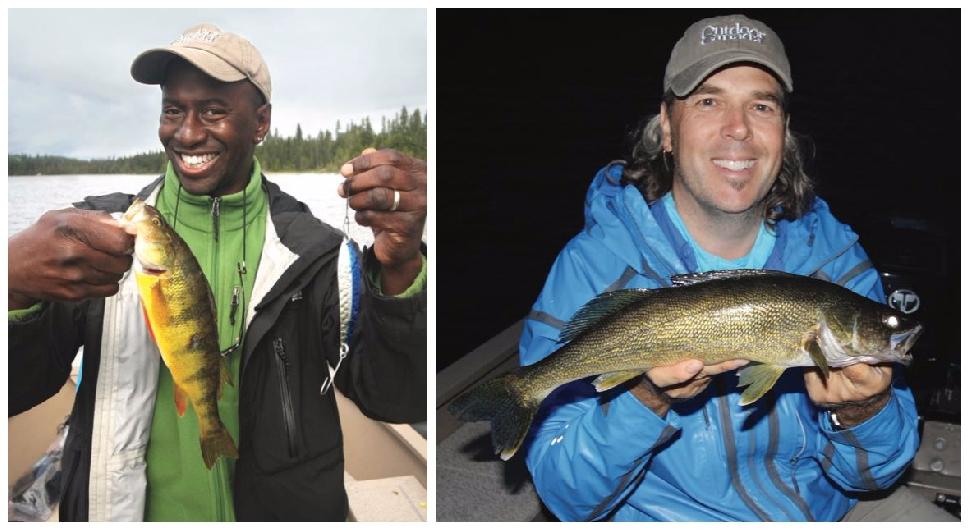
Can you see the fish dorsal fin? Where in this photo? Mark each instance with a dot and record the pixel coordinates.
(598, 308)
(697, 278)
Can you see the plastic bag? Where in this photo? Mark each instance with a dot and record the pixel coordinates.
(36, 494)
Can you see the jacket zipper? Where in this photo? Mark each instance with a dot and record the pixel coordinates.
(214, 262)
(215, 218)
(289, 421)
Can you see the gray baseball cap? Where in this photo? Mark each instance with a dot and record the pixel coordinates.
(222, 55)
(712, 43)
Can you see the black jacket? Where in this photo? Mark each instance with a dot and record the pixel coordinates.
(291, 451)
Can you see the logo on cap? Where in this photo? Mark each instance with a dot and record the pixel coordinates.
(200, 35)
(737, 32)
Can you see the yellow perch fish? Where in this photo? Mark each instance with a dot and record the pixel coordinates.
(181, 313)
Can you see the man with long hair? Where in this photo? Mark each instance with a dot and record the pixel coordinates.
(716, 182)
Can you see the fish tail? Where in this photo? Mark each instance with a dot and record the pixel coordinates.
(215, 443)
(506, 404)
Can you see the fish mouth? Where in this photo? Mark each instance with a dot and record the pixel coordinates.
(901, 343)
(149, 269)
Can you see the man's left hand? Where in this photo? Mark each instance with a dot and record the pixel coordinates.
(389, 192)
(856, 391)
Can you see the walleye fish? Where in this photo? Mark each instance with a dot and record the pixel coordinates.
(180, 313)
(774, 319)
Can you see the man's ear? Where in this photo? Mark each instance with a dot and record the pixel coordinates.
(264, 115)
(666, 144)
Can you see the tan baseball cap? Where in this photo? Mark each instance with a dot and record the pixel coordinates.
(223, 55)
(712, 43)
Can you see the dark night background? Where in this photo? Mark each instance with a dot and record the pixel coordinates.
(531, 103)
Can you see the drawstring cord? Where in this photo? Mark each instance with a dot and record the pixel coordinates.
(239, 292)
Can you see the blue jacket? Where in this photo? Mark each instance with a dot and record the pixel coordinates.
(595, 457)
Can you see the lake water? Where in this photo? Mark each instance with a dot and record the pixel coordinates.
(30, 197)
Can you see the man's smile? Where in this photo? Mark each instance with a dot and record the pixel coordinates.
(196, 163)
(734, 165)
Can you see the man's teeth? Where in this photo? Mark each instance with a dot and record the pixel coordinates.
(734, 165)
(198, 160)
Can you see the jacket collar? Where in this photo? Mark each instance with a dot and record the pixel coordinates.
(195, 211)
(645, 239)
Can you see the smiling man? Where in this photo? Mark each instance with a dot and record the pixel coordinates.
(292, 297)
(216, 157)
(716, 182)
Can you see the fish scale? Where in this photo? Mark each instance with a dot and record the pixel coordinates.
(776, 320)
(180, 314)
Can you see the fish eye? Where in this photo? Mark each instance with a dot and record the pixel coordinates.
(156, 222)
(891, 321)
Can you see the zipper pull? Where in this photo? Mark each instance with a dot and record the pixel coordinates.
(234, 305)
(280, 351)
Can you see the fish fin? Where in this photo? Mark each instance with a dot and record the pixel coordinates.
(811, 345)
(153, 298)
(148, 323)
(758, 379)
(212, 299)
(609, 380)
(224, 373)
(697, 278)
(502, 401)
(215, 443)
(599, 308)
(181, 400)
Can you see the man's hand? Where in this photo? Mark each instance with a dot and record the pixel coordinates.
(68, 255)
(855, 392)
(374, 179)
(680, 381)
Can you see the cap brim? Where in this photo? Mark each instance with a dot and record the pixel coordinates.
(149, 67)
(687, 81)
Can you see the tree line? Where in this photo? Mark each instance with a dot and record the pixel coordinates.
(406, 132)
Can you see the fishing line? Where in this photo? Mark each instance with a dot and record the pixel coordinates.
(347, 209)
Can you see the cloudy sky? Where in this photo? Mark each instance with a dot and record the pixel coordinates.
(71, 93)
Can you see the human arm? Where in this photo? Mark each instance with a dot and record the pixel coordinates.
(660, 386)
(585, 451)
(41, 346)
(66, 257)
(385, 373)
(373, 180)
(877, 434)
